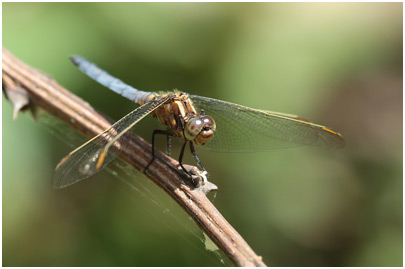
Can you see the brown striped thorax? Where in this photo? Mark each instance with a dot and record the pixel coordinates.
(179, 115)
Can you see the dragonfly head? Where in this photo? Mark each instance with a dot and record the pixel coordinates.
(200, 129)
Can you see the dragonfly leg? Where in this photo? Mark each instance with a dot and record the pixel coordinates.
(197, 159)
(168, 144)
(183, 147)
(155, 132)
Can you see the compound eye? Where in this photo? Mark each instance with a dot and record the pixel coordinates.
(207, 131)
(209, 123)
(193, 128)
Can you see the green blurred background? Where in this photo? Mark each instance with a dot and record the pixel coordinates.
(336, 64)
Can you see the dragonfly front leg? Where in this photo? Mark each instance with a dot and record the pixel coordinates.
(183, 147)
(200, 176)
(155, 132)
(197, 159)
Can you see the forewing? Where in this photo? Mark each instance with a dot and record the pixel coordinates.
(88, 159)
(243, 129)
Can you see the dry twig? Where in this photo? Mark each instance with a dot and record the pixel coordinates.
(41, 90)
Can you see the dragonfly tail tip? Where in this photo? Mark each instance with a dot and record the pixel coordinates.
(75, 59)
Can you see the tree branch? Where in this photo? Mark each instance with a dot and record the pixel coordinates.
(38, 89)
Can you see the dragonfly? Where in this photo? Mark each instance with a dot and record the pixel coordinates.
(200, 121)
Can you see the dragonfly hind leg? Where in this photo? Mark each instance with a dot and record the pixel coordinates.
(155, 132)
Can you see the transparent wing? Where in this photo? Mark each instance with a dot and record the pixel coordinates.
(243, 129)
(95, 154)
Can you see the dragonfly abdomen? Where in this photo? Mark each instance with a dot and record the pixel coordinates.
(114, 84)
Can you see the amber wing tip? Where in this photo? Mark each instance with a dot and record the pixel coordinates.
(334, 139)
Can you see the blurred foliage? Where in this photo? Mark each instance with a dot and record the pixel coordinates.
(338, 64)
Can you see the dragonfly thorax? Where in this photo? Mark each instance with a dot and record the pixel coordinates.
(200, 129)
